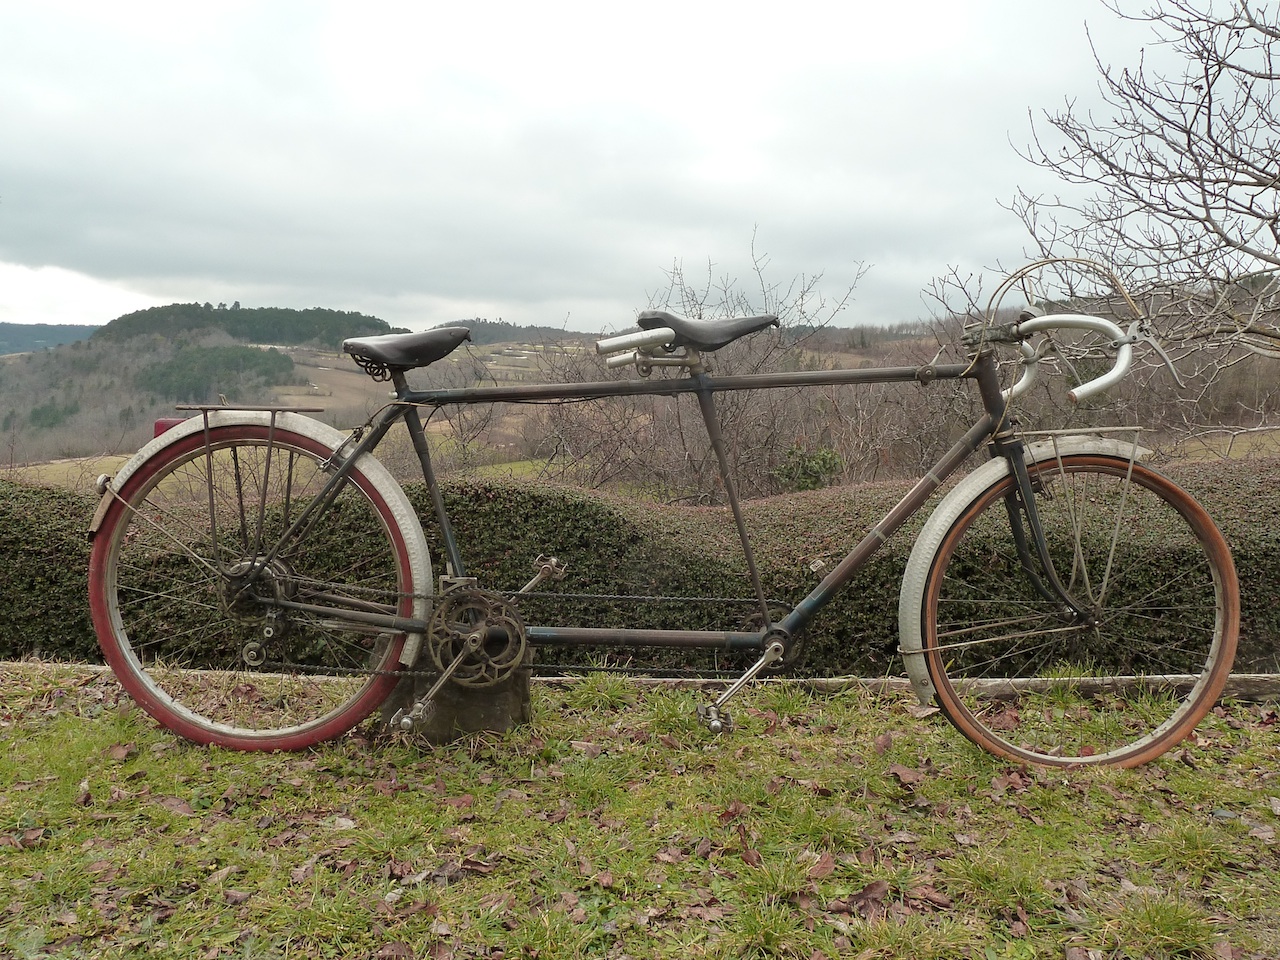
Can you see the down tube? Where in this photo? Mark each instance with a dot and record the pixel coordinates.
(924, 488)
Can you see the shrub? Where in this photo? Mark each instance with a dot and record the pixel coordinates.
(44, 606)
(617, 550)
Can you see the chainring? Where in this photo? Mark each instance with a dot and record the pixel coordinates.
(463, 614)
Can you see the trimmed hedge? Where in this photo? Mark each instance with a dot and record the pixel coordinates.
(617, 548)
(44, 556)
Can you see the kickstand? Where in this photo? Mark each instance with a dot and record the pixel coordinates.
(713, 714)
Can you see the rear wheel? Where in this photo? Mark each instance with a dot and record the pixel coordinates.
(1118, 682)
(189, 591)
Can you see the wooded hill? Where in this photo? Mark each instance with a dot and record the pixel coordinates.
(101, 391)
(84, 391)
(277, 325)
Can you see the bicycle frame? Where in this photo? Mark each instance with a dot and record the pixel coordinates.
(990, 427)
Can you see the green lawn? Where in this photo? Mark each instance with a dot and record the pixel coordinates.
(840, 825)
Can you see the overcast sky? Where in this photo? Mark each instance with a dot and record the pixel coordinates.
(539, 162)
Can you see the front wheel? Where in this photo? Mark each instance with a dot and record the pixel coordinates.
(1128, 672)
(191, 587)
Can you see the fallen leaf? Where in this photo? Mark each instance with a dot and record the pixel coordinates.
(176, 805)
(930, 894)
(870, 900)
(219, 875)
(824, 867)
(905, 775)
(235, 897)
(1005, 720)
(820, 789)
(733, 811)
(396, 949)
(669, 855)
(304, 872)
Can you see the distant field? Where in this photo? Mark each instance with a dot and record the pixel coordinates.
(77, 475)
(1252, 443)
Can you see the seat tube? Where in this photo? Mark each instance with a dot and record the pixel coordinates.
(706, 404)
(454, 557)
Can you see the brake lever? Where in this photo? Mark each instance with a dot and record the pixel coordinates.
(1140, 331)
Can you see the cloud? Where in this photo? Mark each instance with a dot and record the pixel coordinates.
(527, 161)
(55, 295)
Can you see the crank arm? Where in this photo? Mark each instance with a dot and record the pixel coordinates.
(406, 720)
(713, 714)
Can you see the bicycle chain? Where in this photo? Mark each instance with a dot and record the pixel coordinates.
(675, 674)
(539, 670)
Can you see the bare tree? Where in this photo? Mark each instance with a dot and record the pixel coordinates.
(1182, 174)
(659, 444)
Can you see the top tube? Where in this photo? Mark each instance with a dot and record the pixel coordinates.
(547, 392)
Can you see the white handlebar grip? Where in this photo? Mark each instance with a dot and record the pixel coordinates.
(636, 340)
(622, 359)
(1124, 357)
(1028, 377)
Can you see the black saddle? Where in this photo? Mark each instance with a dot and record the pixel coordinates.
(405, 351)
(704, 334)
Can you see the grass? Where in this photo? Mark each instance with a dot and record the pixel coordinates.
(614, 826)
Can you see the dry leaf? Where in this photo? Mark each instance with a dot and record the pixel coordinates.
(906, 776)
(824, 867)
(219, 875)
(176, 805)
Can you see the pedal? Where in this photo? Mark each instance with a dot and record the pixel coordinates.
(548, 568)
(406, 720)
(714, 719)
